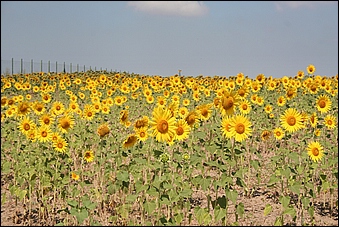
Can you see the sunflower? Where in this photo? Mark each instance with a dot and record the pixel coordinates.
(182, 130)
(150, 99)
(315, 151)
(123, 117)
(330, 121)
(173, 107)
(310, 69)
(228, 102)
(186, 102)
(240, 127)
(313, 120)
(142, 134)
(55, 136)
(268, 108)
(118, 100)
(323, 103)
(192, 118)
(105, 109)
(244, 106)
(89, 156)
(291, 120)
(265, 135)
(317, 132)
(26, 125)
(103, 130)
(23, 108)
(225, 126)
(60, 145)
(162, 124)
(141, 123)
(39, 108)
(65, 123)
(278, 133)
(46, 119)
(130, 141)
(182, 112)
(281, 101)
(291, 93)
(243, 91)
(44, 133)
(73, 106)
(32, 135)
(57, 108)
(46, 98)
(88, 112)
(205, 111)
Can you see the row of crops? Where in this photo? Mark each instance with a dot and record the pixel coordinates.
(99, 148)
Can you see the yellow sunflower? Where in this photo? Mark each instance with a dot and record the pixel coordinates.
(182, 112)
(88, 113)
(281, 101)
(130, 141)
(182, 130)
(278, 133)
(240, 127)
(162, 124)
(46, 119)
(89, 156)
(291, 120)
(192, 118)
(313, 120)
(323, 103)
(26, 125)
(60, 145)
(228, 102)
(65, 123)
(44, 133)
(330, 121)
(205, 111)
(57, 108)
(39, 108)
(141, 123)
(23, 108)
(310, 69)
(268, 108)
(315, 151)
(225, 126)
(142, 134)
(103, 130)
(265, 135)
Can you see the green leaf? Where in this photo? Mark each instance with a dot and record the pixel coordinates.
(305, 201)
(81, 216)
(295, 188)
(131, 198)
(178, 218)
(149, 207)
(278, 221)
(232, 195)
(123, 176)
(268, 209)
(285, 201)
(240, 209)
(291, 211)
(205, 183)
(273, 180)
(72, 203)
(219, 213)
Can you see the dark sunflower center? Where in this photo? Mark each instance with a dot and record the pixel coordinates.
(180, 131)
(240, 128)
(26, 126)
(228, 103)
(65, 124)
(44, 134)
(322, 103)
(60, 145)
(315, 151)
(291, 120)
(162, 126)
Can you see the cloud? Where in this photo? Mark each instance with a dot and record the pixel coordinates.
(175, 8)
(282, 5)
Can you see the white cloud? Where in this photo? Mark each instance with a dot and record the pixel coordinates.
(176, 8)
(281, 5)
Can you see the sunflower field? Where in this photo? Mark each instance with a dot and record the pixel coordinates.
(114, 148)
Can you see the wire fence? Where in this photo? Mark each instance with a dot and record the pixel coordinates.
(10, 67)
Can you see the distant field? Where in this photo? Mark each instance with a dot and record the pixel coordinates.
(99, 148)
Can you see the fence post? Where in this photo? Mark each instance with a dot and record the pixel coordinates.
(31, 66)
(12, 65)
(21, 66)
(41, 66)
(49, 66)
(70, 67)
(64, 68)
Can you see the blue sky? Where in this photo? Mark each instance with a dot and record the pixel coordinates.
(159, 38)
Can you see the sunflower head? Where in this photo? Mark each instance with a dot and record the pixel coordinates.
(315, 151)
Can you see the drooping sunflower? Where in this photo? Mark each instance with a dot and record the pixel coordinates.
(240, 127)
(173, 107)
(291, 120)
(130, 141)
(228, 102)
(60, 145)
(162, 124)
(89, 156)
(182, 130)
(265, 135)
(141, 123)
(330, 121)
(39, 108)
(323, 103)
(26, 125)
(192, 118)
(65, 123)
(278, 133)
(315, 151)
(23, 108)
(123, 117)
(44, 133)
(103, 130)
(225, 126)
(313, 120)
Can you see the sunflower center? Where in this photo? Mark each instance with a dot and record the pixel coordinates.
(39, 108)
(315, 151)
(329, 122)
(291, 120)
(240, 128)
(44, 134)
(23, 108)
(89, 114)
(142, 134)
(190, 120)
(204, 112)
(180, 131)
(65, 124)
(58, 108)
(162, 126)
(26, 126)
(278, 133)
(244, 107)
(322, 103)
(87, 155)
(60, 145)
(46, 121)
(228, 103)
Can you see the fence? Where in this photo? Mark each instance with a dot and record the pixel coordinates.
(10, 67)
